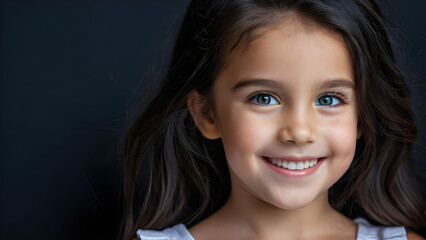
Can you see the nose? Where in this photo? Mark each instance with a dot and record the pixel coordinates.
(298, 127)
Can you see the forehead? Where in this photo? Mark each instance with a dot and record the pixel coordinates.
(294, 44)
(290, 26)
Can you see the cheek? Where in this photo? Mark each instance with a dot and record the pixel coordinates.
(341, 138)
(243, 132)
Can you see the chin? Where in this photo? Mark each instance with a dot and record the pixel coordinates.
(292, 205)
(294, 202)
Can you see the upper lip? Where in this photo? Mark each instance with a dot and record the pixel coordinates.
(293, 158)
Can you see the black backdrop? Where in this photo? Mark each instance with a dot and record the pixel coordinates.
(74, 72)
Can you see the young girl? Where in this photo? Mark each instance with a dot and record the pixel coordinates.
(277, 119)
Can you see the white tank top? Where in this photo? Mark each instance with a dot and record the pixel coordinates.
(365, 231)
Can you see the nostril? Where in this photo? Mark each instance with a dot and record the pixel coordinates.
(297, 135)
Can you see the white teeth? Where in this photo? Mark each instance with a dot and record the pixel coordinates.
(300, 165)
(306, 164)
(292, 165)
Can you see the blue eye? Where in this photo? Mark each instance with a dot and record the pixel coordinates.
(327, 101)
(264, 99)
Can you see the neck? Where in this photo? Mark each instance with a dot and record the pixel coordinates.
(255, 219)
(262, 219)
(246, 216)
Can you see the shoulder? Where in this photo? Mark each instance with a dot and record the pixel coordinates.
(413, 236)
(177, 232)
(368, 231)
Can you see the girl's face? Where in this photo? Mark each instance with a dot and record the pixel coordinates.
(285, 109)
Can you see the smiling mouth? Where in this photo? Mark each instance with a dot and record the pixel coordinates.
(294, 165)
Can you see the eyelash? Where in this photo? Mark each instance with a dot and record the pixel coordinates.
(273, 95)
(339, 95)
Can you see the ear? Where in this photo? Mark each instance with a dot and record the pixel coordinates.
(204, 120)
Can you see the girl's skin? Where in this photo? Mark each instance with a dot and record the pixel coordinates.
(290, 95)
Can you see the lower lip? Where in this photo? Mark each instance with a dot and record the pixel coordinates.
(294, 173)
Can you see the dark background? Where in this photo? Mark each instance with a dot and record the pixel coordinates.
(73, 76)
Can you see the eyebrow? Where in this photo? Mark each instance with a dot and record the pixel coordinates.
(256, 82)
(336, 83)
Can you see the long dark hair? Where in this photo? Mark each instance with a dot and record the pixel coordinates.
(173, 174)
